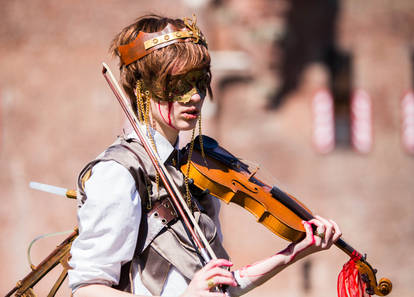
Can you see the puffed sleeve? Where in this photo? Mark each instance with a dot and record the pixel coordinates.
(108, 226)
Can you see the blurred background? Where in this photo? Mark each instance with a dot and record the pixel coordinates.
(319, 92)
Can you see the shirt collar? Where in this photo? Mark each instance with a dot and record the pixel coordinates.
(164, 147)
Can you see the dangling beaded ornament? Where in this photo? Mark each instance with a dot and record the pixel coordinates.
(143, 106)
(190, 152)
(186, 175)
(200, 138)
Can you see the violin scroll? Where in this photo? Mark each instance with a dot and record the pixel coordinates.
(384, 286)
(367, 274)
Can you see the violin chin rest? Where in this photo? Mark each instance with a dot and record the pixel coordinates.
(208, 142)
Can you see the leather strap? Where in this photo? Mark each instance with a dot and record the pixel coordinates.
(164, 210)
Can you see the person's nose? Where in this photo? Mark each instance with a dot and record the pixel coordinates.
(196, 97)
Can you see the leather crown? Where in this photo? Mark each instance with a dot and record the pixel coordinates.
(145, 43)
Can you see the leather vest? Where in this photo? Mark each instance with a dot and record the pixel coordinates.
(160, 244)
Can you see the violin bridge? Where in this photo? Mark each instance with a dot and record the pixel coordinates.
(254, 172)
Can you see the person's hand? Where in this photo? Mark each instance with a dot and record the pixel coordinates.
(327, 232)
(208, 278)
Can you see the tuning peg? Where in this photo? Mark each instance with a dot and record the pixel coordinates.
(370, 291)
(365, 278)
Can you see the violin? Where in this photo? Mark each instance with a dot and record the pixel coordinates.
(213, 170)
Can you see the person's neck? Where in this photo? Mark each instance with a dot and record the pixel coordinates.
(169, 133)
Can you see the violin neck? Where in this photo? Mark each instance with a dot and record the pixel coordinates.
(305, 215)
(291, 203)
(346, 248)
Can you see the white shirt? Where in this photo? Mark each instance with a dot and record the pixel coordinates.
(108, 228)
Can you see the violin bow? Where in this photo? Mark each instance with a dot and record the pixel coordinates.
(197, 234)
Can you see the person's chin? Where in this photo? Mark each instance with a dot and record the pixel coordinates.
(187, 125)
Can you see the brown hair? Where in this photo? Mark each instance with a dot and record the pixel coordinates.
(155, 68)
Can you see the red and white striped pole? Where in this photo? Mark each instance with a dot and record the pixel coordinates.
(407, 122)
(361, 121)
(323, 135)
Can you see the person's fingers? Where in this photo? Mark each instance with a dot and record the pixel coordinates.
(309, 232)
(329, 232)
(329, 228)
(217, 271)
(214, 294)
(220, 280)
(319, 231)
(213, 274)
(320, 227)
(210, 269)
(210, 276)
(337, 231)
(319, 223)
(217, 263)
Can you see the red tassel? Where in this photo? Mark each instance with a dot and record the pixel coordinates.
(349, 280)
